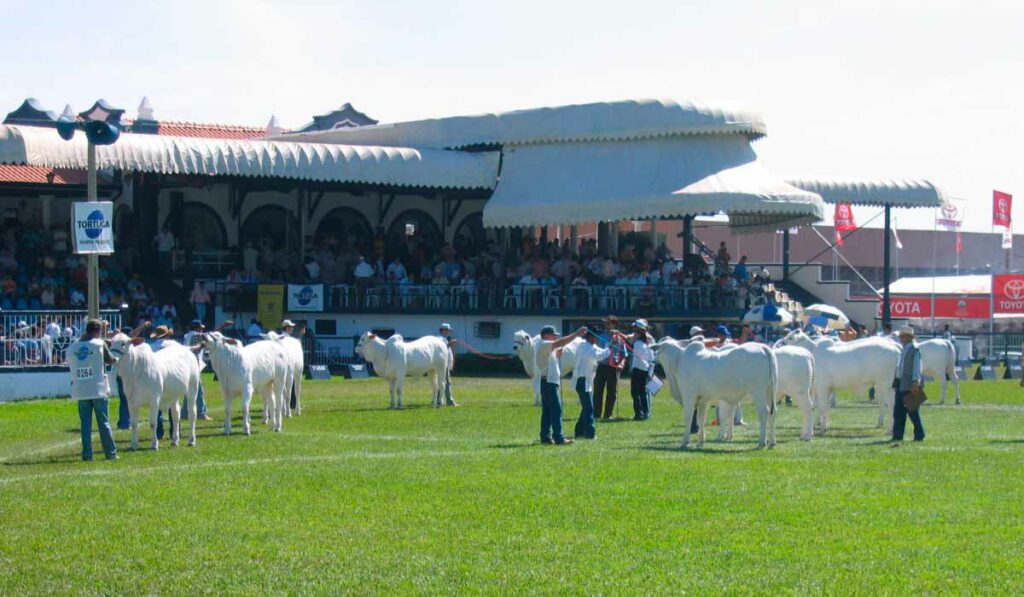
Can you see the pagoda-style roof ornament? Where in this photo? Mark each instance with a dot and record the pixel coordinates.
(103, 111)
(344, 117)
(31, 113)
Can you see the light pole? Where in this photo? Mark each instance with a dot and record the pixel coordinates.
(100, 126)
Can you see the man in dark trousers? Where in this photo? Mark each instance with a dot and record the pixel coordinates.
(548, 352)
(606, 379)
(908, 378)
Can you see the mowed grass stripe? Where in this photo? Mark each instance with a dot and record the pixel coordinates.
(353, 498)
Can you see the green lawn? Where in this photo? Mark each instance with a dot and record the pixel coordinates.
(354, 498)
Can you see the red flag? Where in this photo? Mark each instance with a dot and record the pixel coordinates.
(1001, 206)
(843, 221)
(959, 242)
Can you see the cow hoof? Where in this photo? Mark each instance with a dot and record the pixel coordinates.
(191, 443)
(958, 402)
(805, 439)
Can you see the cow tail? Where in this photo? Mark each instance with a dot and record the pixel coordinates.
(951, 361)
(773, 378)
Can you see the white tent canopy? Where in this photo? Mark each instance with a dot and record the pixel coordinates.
(572, 183)
(620, 120)
(399, 166)
(967, 284)
(897, 193)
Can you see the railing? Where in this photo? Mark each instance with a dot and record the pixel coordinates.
(41, 338)
(513, 298)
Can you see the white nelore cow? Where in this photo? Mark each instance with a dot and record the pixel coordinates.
(855, 366)
(703, 375)
(157, 380)
(796, 379)
(525, 347)
(296, 365)
(396, 359)
(243, 371)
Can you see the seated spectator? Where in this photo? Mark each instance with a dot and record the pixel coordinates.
(363, 271)
(396, 271)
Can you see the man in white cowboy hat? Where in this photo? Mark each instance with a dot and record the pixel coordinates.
(908, 378)
(640, 369)
(446, 334)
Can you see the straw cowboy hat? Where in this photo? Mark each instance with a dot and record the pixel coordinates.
(161, 331)
(906, 331)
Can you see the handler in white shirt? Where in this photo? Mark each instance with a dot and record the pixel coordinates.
(587, 357)
(551, 400)
(640, 371)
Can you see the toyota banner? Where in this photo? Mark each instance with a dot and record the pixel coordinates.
(305, 297)
(1008, 293)
(92, 227)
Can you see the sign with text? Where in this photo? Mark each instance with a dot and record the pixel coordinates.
(305, 297)
(269, 306)
(92, 227)
(946, 307)
(1008, 291)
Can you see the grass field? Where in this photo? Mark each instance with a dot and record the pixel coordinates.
(353, 498)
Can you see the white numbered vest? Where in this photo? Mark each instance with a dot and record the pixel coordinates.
(88, 378)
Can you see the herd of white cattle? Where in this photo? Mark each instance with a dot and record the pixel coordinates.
(809, 370)
(160, 380)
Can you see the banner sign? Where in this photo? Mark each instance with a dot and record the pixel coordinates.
(843, 221)
(1002, 204)
(951, 214)
(1007, 239)
(305, 297)
(92, 227)
(269, 305)
(1008, 293)
(946, 307)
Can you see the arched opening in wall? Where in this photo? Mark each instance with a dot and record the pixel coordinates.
(414, 229)
(124, 226)
(344, 227)
(274, 232)
(201, 228)
(471, 237)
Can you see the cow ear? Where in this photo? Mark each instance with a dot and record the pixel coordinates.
(371, 336)
(137, 341)
(230, 341)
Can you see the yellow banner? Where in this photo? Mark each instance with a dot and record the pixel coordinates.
(270, 305)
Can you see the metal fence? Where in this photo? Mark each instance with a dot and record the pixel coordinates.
(41, 338)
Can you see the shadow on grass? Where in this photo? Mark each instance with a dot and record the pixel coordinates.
(516, 446)
(718, 448)
(1006, 441)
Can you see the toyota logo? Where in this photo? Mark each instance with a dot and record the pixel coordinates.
(949, 211)
(1014, 288)
(844, 211)
(1003, 207)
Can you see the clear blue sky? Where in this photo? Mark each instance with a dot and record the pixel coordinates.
(867, 88)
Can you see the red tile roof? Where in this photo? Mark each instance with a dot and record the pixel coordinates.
(210, 131)
(40, 175)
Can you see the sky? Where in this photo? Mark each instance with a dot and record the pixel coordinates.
(864, 89)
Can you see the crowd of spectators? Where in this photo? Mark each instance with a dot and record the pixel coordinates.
(485, 267)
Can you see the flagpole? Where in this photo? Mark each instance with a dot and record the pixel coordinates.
(934, 271)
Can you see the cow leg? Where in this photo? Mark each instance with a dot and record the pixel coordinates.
(133, 416)
(228, 397)
(298, 392)
(438, 389)
(942, 389)
(536, 390)
(176, 423)
(391, 393)
(286, 393)
(399, 390)
(956, 382)
(193, 395)
(884, 406)
(154, 412)
(689, 402)
(886, 421)
(247, 393)
(270, 403)
(702, 419)
(804, 402)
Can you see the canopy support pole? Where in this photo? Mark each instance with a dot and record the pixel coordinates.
(687, 235)
(785, 255)
(886, 312)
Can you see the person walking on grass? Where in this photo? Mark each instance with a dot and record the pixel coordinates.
(587, 358)
(606, 378)
(548, 352)
(449, 339)
(87, 359)
(640, 370)
(908, 379)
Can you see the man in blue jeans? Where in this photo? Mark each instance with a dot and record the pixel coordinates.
(87, 361)
(548, 352)
(587, 357)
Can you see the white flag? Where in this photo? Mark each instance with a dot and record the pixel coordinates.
(951, 215)
(1007, 238)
